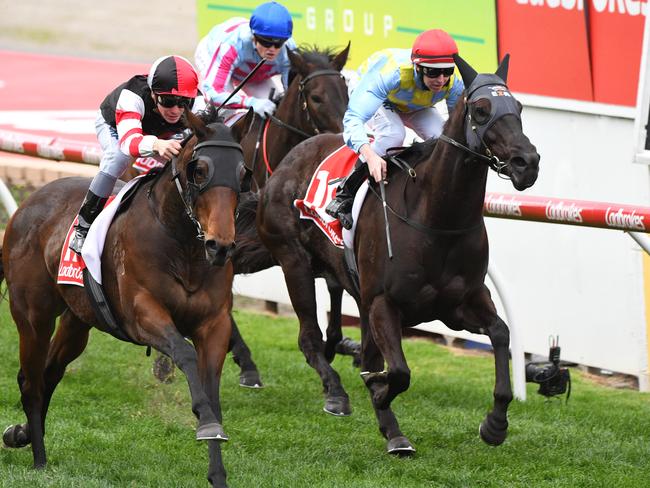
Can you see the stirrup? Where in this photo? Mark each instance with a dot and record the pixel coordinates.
(338, 206)
(346, 220)
(78, 239)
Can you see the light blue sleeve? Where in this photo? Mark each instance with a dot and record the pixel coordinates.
(455, 92)
(371, 92)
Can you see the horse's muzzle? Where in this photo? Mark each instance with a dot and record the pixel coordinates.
(524, 169)
(217, 254)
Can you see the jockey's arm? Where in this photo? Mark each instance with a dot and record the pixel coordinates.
(371, 92)
(218, 78)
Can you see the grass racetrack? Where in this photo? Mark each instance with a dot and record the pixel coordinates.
(111, 423)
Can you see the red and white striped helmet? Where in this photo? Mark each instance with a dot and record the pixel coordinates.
(435, 49)
(173, 75)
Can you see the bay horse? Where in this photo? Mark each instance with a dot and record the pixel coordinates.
(314, 103)
(439, 244)
(164, 284)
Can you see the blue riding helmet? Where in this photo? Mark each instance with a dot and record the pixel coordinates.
(271, 21)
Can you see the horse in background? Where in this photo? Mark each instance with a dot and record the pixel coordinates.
(439, 247)
(164, 284)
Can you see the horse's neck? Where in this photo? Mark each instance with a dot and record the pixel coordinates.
(451, 182)
(166, 203)
(280, 139)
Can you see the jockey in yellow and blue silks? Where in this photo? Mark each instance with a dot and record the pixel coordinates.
(398, 88)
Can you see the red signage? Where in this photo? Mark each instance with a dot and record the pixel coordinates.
(581, 49)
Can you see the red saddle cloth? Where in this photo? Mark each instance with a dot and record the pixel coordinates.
(71, 265)
(322, 189)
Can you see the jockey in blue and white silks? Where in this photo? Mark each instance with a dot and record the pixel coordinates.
(232, 49)
(398, 88)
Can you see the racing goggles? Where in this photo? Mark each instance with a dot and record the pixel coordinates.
(435, 72)
(169, 101)
(267, 42)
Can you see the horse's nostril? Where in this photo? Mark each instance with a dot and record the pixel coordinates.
(518, 162)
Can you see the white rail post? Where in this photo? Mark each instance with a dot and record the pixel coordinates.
(7, 198)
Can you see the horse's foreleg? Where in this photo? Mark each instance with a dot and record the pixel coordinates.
(156, 328)
(249, 376)
(494, 428)
(386, 329)
(211, 342)
(372, 364)
(302, 291)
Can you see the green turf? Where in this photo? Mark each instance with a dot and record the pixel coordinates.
(112, 424)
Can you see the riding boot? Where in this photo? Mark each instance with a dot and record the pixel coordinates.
(341, 205)
(88, 212)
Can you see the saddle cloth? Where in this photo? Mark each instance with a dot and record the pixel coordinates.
(144, 165)
(71, 265)
(322, 189)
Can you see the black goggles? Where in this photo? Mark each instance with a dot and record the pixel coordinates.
(169, 101)
(435, 72)
(267, 43)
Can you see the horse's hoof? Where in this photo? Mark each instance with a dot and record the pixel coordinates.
(491, 434)
(400, 446)
(250, 379)
(211, 432)
(16, 436)
(338, 406)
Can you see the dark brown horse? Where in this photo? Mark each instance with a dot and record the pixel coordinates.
(314, 103)
(439, 245)
(164, 284)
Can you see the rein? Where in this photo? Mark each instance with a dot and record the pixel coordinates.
(305, 108)
(491, 160)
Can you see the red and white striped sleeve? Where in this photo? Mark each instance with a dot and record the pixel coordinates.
(128, 119)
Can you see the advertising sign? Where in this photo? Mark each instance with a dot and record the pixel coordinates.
(371, 26)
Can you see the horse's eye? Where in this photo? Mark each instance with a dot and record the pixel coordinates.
(481, 111)
(316, 99)
(199, 173)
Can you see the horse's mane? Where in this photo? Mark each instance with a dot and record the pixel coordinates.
(312, 54)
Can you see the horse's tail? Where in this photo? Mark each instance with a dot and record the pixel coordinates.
(250, 255)
(2, 269)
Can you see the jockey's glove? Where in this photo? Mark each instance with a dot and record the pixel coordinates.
(263, 107)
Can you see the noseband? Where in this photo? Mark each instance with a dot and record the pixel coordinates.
(189, 194)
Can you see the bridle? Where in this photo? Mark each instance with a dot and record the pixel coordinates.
(207, 150)
(485, 86)
(301, 91)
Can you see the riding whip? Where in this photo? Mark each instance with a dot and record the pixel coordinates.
(382, 188)
(259, 134)
(243, 82)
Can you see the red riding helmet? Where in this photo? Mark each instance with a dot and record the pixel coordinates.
(173, 75)
(435, 49)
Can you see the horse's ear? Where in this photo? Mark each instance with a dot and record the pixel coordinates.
(240, 128)
(341, 58)
(196, 124)
(466, 71)
(502, 70)
(298, 64)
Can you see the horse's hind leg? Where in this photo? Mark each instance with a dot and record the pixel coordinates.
(494, 428)
(249, 376)
(372, 363)
(34, 329)
(69, 342)
(302, 291)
